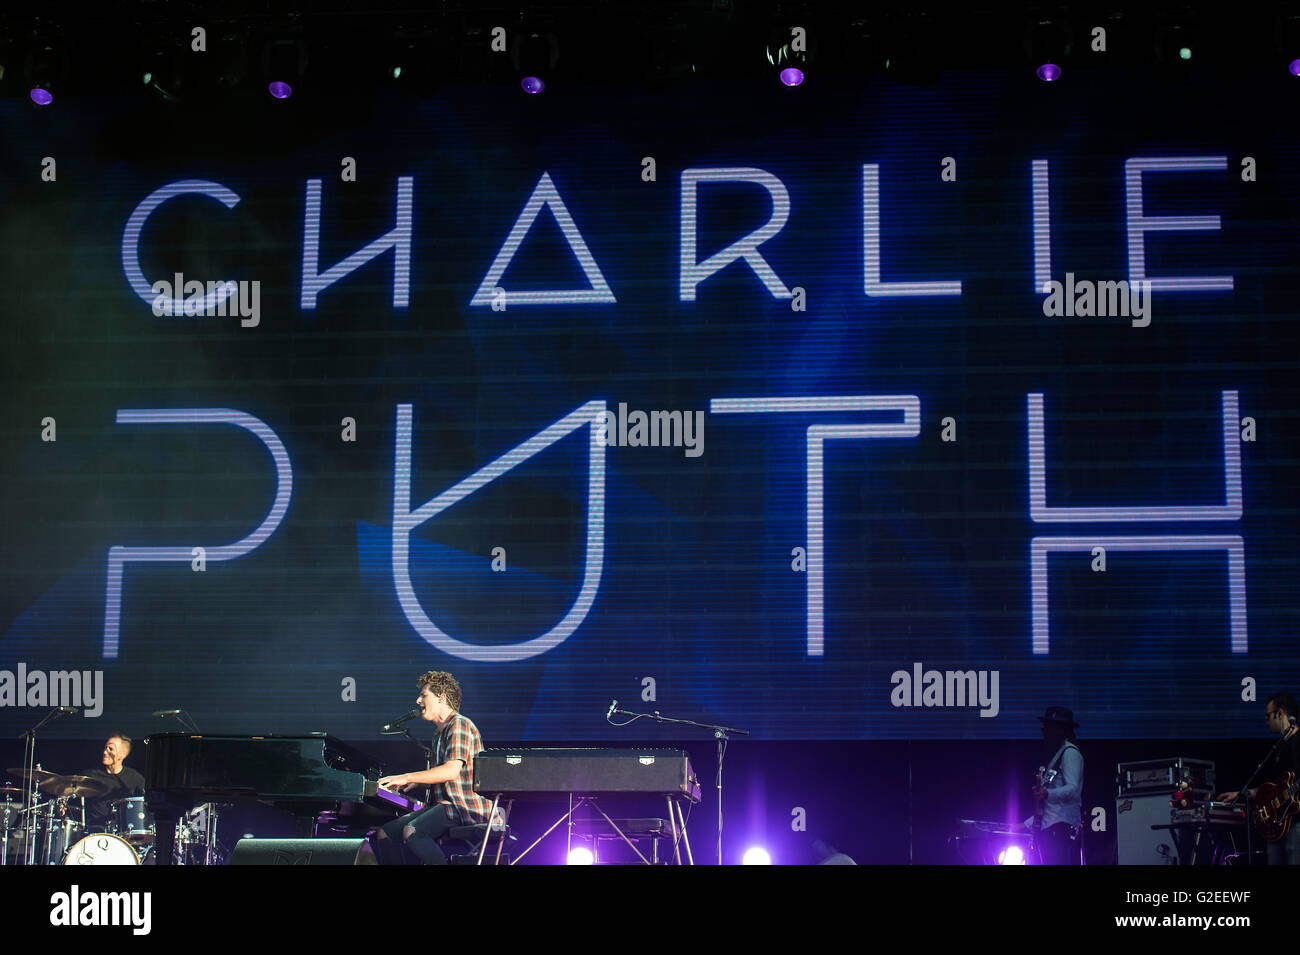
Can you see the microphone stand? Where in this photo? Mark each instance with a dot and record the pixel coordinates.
(29, 768)
(187, 724)
(1245, 791)
(722, 734)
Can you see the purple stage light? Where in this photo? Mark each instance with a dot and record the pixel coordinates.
(1294, 68)
(792, 76)
(1048, 72)
(280, 89)
(41, 97)
(532, 84)
(756, 855)
(581, 856)
(1011, 855)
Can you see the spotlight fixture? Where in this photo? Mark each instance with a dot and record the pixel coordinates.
(1048, 44)
(416, 57)
(43, 71)
(1177, 44)
(284, 62)
(914, 50)
(756, 855)
(790, 49)
(162, 72)
(1288, 42)
(534, 56)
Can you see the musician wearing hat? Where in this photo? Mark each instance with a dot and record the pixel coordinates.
(1058, 792)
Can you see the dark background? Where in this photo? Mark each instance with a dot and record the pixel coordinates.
(927, 542)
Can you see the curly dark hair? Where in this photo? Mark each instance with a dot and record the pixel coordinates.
(441, 684)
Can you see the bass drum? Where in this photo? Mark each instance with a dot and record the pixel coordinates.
(102, 848)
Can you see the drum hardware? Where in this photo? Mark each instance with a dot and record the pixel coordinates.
(48, 830)
(31, 771)
(196, 837)
(61, 830)
(38, 774)
(11, 812)
(39, 834)
(29, 830)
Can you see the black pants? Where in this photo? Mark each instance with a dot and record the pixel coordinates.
(1286, 851)
(1057, 847)
(429, 824)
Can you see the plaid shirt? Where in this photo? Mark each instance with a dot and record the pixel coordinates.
(459, 739)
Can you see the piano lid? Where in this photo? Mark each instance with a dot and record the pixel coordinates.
(287, 770)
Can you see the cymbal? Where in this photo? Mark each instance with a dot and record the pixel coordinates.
(41, 774)
(7, 792)
(73, 786)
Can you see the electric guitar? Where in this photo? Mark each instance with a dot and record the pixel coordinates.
(1275, 807)
(1043, 777)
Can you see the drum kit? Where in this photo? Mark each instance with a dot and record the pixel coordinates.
(52, 830)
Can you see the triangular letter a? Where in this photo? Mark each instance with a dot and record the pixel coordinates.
(546, 195)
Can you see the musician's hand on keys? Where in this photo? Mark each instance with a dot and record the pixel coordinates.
(398, 784)
(1229, 797)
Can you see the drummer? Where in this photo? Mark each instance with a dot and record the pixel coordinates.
(122, 781)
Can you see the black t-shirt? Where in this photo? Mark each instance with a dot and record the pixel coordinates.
(128, 782)
(1285, 760)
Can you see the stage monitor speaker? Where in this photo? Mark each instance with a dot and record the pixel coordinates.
(302, 852)
(1137, 842)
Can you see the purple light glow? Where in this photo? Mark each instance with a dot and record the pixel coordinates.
(532, 84)
(280, 90)
(1011, 855)
(41, 97)
(756, 856)
(1294, 68)
(1048, 72)
(581, 856)
(792, 76)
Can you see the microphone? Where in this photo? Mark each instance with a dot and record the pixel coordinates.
(410, 715)
(166, 712)
(613, 704)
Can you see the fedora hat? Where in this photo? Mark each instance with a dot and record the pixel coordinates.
(1059, 714)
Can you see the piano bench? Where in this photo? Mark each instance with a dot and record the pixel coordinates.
(461, 845)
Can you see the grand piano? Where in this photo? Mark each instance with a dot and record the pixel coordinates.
(304, 775)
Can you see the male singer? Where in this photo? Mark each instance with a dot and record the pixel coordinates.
(454, 801)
